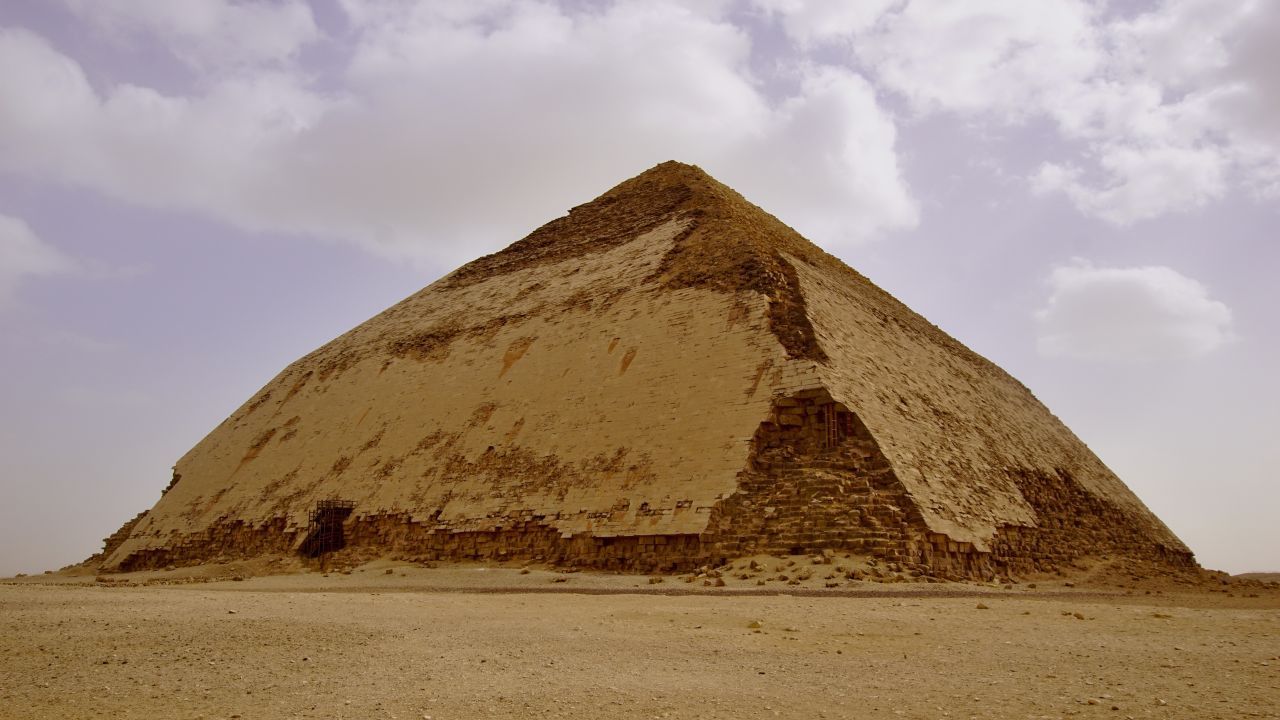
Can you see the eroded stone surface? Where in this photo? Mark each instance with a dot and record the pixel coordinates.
(665, 377)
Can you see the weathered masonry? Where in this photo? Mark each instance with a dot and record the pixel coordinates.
(666, 376)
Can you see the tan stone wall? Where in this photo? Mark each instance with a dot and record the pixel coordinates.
(957, 430)
(633, 385)
(806, 488)
(814, 484)
(571, 394)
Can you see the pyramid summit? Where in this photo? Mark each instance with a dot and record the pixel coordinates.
(664, 377)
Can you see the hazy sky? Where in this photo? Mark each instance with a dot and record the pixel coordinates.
(195, 193)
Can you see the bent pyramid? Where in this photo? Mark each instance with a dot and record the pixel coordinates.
(667, 376)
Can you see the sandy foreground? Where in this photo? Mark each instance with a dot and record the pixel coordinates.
(398, 641)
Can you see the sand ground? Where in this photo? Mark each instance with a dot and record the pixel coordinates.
(474, 642)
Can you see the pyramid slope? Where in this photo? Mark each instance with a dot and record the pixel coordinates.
(647, 382)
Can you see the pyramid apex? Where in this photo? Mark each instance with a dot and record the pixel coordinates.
(668, 191)
(675, 170)
(696, 185)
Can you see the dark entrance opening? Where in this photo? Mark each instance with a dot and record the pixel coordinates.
(325, 533)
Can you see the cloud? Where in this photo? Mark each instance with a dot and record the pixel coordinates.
(832, 167)
(1141, 183)
(449, 129)
(437, 131)
(208, 34)
(23, 255)
(1139, 314)
(981, 56)
(1166, 110)
(814, 23)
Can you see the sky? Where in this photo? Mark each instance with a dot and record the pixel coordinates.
(193, 194)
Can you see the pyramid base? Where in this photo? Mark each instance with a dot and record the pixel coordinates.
(816, 482)
(397, 535)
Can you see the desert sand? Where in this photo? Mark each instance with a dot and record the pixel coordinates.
(397, 640)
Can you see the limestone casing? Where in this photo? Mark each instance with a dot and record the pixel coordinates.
(650, 382)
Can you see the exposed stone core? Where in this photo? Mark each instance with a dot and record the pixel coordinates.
(667, 376)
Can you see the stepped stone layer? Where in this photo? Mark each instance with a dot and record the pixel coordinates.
(666, 376)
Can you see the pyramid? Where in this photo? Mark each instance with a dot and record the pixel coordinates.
(666, 377)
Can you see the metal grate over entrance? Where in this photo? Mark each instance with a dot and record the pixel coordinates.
(830, 417)
(325, 532)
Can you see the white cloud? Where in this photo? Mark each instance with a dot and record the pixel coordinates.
(23, 254)
(982, 56)
(1180, 43)
(1171, 107)
(1138, 314)
(813, 22)
(208, 34)
(457, 126)
(1141, 183)
(208, 152)
(832, 170)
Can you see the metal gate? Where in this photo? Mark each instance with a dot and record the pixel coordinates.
(325, 535)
